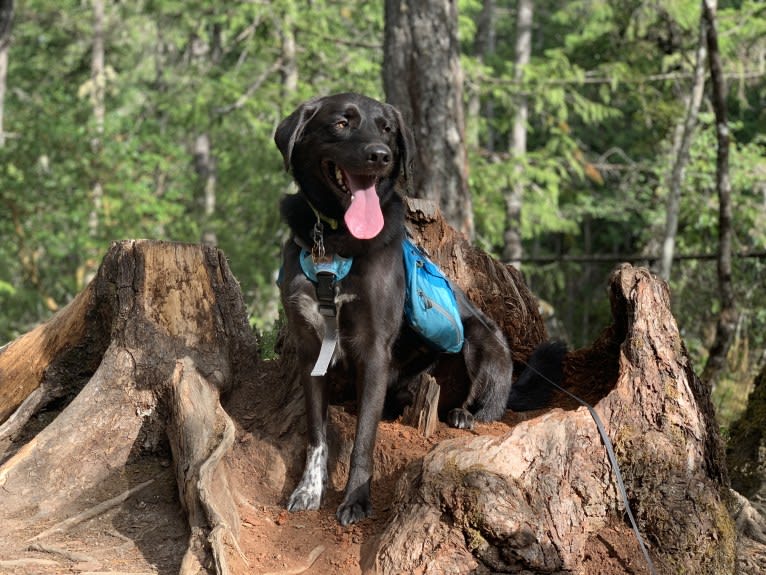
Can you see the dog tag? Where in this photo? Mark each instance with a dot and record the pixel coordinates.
(329, 343)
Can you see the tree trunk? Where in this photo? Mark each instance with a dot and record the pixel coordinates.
(512, 249)
(483, 46)
(207, 174)
(141, 359)
(6, 22)
(205, 163)
(98, 89)
(422, 77)
(289, 68)
(727, 318)
(675, 182)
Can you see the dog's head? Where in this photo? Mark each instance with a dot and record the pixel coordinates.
(349, 154)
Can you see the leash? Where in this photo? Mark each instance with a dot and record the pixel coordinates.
(604, 438)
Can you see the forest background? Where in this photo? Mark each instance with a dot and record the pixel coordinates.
(154, 119)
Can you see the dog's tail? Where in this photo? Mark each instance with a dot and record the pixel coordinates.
(533, 389)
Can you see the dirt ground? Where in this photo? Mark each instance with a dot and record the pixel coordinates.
(147, 532)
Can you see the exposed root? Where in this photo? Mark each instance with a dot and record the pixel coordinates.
(65, 553)
(749, 521)
(215, 518)
(201, 433)
(34, 402)
(29, 561)
(310, 560)
(90, 513)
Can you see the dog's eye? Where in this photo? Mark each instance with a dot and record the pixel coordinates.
(387, 129)
(341, 124)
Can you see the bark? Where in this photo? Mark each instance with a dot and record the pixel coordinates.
(727, 317)
(512, 248)
(542, 497)
(6, 20)
(146, 350)
(681, 158)
(422, 77)
(289, 69)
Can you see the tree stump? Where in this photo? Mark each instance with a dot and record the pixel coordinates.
(146, 350)
(542, 498)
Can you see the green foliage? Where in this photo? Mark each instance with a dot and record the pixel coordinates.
(174, 70)
(606, 90)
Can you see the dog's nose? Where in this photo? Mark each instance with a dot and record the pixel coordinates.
(379, 155)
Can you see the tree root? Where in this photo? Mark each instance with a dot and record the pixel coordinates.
(65, 553)
(310, 560)
(748, 520)
(201, 433)
(34, 402)
(90, 513)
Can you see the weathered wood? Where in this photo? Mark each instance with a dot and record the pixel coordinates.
(47, 355)
(423, 414)
(164, 331)
(538, 497)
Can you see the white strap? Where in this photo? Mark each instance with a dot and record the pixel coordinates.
(329, 344)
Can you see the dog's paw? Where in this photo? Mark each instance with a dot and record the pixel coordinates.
(304, 498)
(356, 505)
(349, 513)
(460, 418)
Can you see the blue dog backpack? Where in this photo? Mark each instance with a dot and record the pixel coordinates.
(430, 307)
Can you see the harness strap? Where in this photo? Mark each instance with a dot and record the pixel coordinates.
(329, 345)
(325, 289)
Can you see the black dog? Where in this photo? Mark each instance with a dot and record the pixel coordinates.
(350, 157)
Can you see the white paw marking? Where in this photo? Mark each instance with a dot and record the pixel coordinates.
(308, 493)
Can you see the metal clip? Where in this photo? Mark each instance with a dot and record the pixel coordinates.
(317, 235)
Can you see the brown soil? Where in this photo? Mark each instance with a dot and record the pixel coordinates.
(274, 540)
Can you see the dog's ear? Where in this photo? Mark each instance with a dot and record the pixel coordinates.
(405, 142)
(290, 130)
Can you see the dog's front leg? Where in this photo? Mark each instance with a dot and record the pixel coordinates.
(308, 493)
(374, 371)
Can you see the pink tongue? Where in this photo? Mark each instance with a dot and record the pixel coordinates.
(363, 218)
